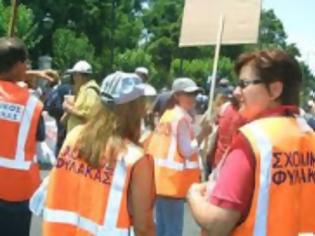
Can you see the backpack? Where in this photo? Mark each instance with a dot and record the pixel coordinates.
(54, 100)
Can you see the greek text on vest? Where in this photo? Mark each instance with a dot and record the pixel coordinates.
(67, 160)
(11, 112)
(293, 167)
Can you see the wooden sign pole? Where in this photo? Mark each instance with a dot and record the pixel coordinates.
(215, 65)
(208, 116)
(11, 31)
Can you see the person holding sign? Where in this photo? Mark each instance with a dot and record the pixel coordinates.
(174, 147)
(266, 183)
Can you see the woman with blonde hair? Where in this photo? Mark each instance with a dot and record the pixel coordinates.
(103, 184)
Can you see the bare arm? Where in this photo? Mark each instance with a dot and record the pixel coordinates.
(214, 220)
(206, 128)
(50, 75)
(141, 197)
(232, 188)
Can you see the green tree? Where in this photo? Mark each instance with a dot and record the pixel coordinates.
(25, 24)
(131, 59)
(271, 33)
(308, 82)
(196, 68)
(4, 20)
(161, 51)
(70, 47)
(162, 20)
(201, 69)
(124, 34)
(111, 26)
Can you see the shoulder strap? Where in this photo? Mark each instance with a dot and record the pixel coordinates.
(94, 87)
(133, 154)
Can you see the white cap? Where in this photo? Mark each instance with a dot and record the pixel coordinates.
(310, 103)
(120, 88)
(186, 85)
(149, 90)
(224, 82)
(142, 70)
(82, 67)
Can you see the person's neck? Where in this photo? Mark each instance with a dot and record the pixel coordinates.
(5, 78)
(274, 105)
(273, 109)
(185, 111)
(81, 82)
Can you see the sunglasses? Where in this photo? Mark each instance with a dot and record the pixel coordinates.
(244, 83)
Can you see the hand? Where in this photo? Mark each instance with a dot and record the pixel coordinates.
(64, 119)
(50, 75)
(197, 190)
(67, 106)
(206, 127)
(205, 130)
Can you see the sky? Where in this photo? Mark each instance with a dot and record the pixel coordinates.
(298, 18)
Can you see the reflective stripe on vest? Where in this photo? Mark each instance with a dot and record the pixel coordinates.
(265, 151)
(19, 162)
(109, 226)
(72, 218)
(169, 162)
(284, 177)
(264, 146)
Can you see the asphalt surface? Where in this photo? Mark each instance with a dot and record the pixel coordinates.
(190, 227)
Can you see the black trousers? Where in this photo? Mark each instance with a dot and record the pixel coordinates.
(15, 218)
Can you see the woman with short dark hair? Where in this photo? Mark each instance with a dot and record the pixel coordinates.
(265, 184)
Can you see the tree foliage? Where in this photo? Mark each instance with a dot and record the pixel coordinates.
(124, 34)
(131, 59)
(69, 47)
(25, 26)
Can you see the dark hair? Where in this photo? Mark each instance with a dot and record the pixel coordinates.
(12, 51)
(275, 65)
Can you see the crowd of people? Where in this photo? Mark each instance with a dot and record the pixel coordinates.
(126, 159)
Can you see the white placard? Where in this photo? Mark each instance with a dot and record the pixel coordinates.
(201, 22)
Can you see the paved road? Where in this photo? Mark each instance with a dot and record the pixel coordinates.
(190, 227)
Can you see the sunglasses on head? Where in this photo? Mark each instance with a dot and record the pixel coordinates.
(244, 83)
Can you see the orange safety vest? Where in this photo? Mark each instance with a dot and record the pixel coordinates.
(19, 118)
(283, 200)
(173, 173)
(84, 201)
